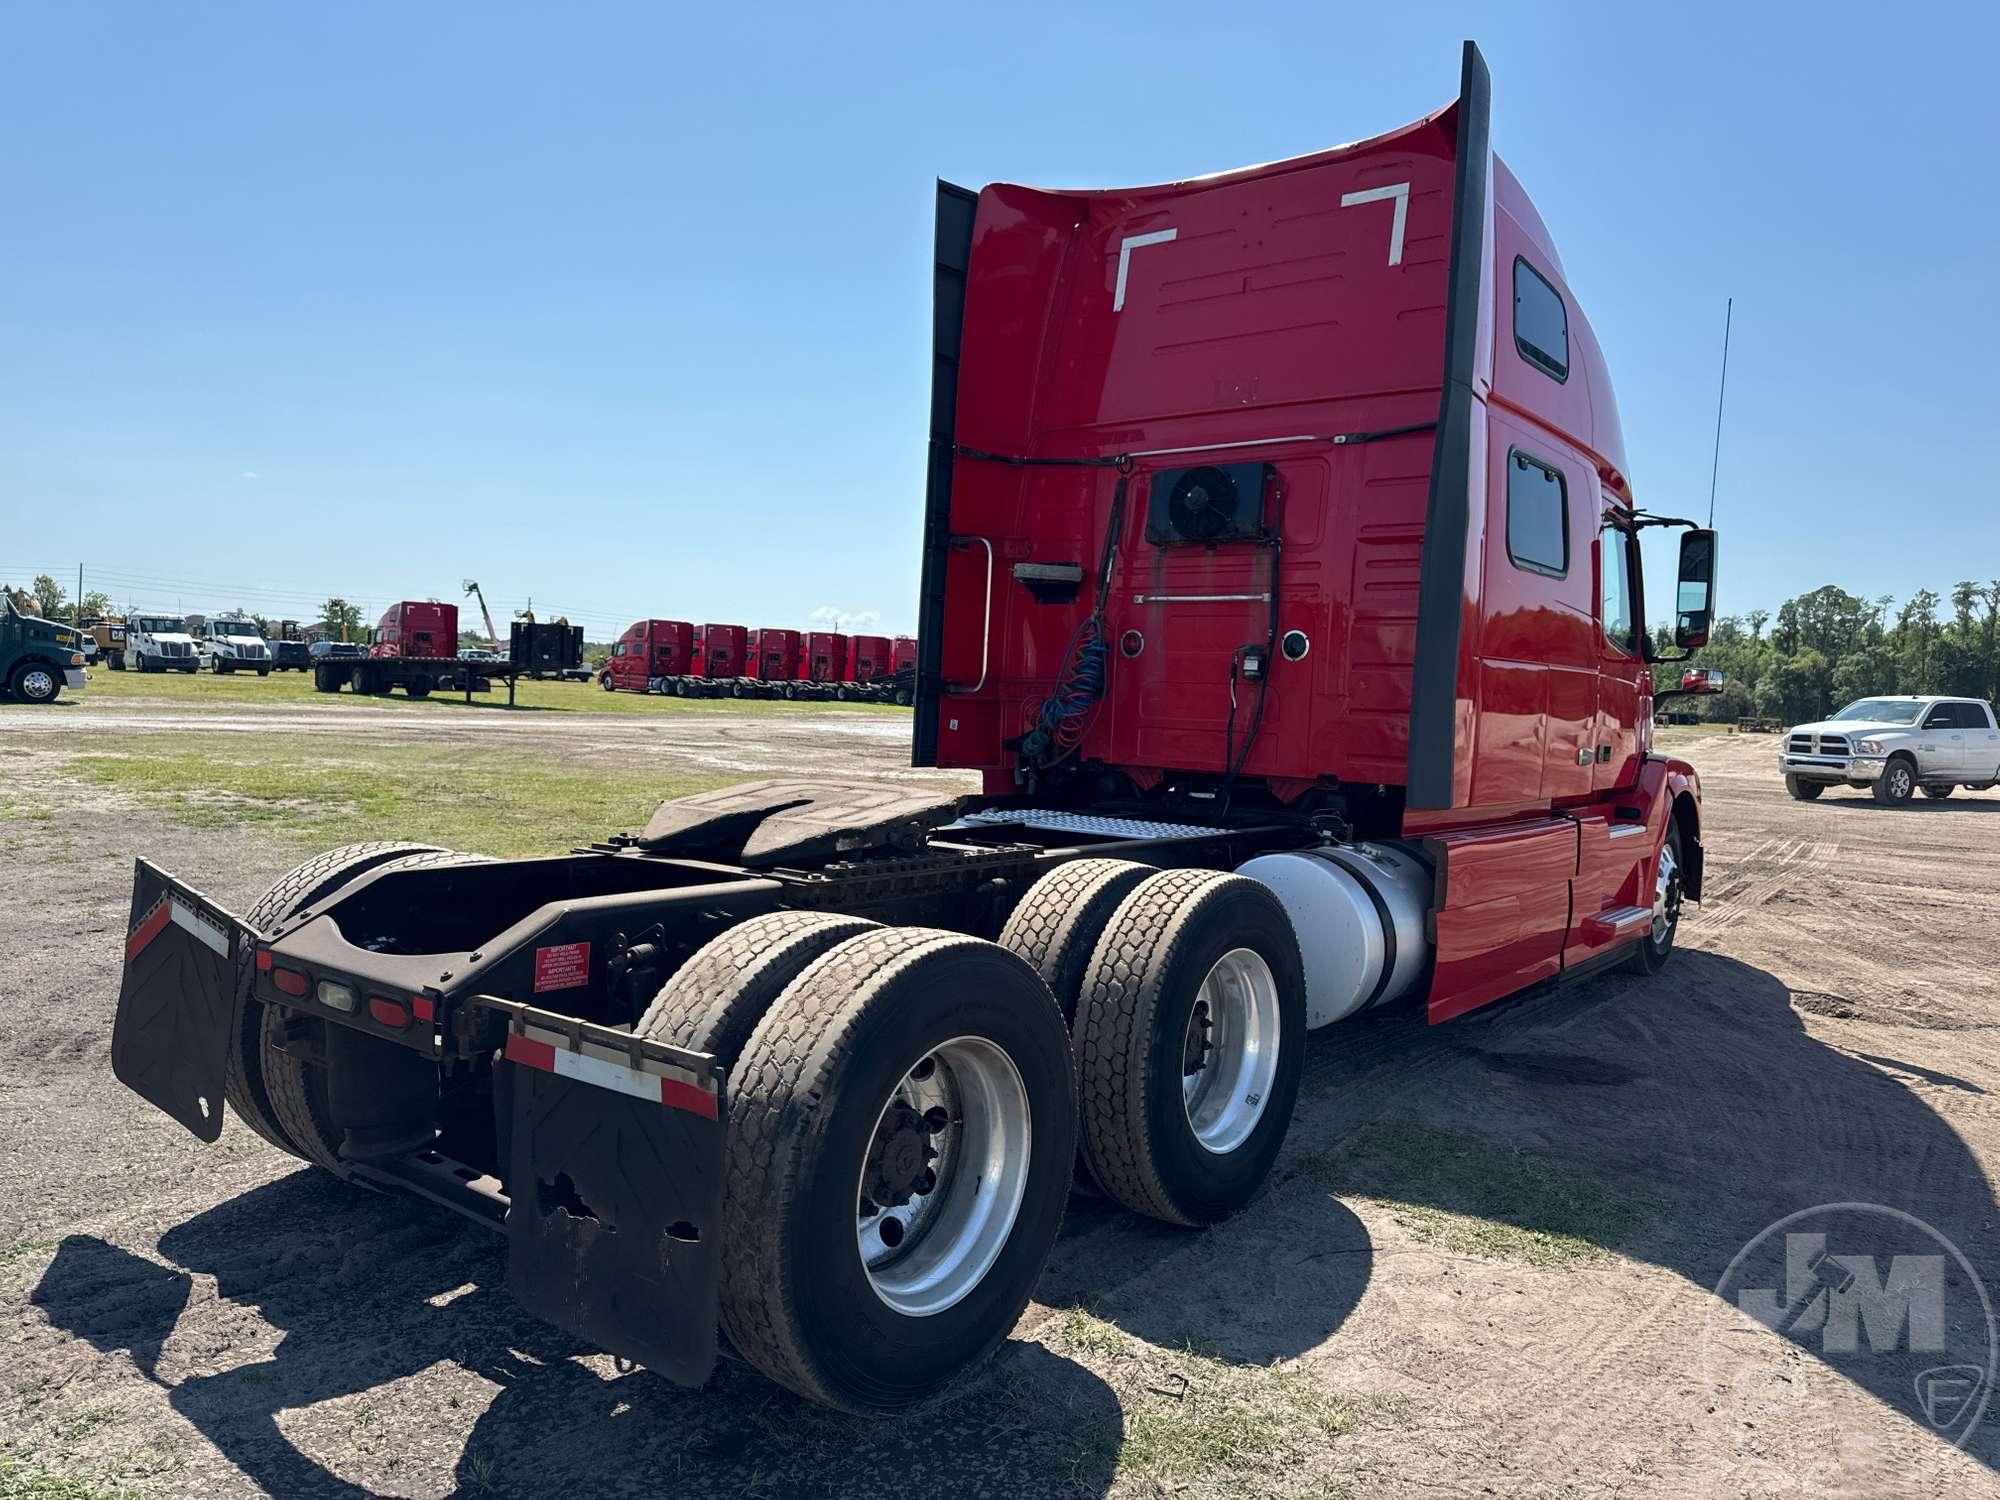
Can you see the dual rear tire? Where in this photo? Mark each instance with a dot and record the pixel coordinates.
(901, 1127)
(903, 1124)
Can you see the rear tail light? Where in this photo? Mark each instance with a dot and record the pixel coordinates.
(291, 981)
(389, 1012)
(337, 996)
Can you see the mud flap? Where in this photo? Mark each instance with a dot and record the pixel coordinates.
(616, 1181)
(177, 1000)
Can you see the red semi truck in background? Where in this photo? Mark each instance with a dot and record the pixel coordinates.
(676, 658)
(649, 650)
(415, 649)
(770, 661)
(1294, 622)
(717, 661)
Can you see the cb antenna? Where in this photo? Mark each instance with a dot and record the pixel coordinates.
(1715, 463)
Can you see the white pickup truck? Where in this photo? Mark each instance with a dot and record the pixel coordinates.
(1895, 747)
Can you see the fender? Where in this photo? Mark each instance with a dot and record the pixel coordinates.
(1672, 788)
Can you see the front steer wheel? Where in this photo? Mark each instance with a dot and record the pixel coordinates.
(1803, 791)
(1189, 1035)
(1897, 781)
(901, 1127)
(36, 682)
(1669, 875)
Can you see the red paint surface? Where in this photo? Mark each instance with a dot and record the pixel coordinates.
(1274, 312)
(421, 629)
(718, 651)
(824, 658)
(649, 649)
(869, 658)
(771, 655)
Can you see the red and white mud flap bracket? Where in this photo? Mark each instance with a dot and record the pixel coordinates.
(177, 999)
(615, 1172)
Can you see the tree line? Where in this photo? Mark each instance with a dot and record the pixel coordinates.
(1818, 652)
(1827, 648)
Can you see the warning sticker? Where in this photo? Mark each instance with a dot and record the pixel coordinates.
(566, 966)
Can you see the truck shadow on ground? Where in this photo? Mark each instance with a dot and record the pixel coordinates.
(374, 1292)
(1671, 1119)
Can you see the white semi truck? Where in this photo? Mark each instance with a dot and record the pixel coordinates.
(231, 643)
(159, 643)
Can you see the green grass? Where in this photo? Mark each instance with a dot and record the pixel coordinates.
(1222, 1433)
(1469, 1196)
(489, 801)
(17, 1483)
(204, 690)
(84, 1424)
(1092, 1335)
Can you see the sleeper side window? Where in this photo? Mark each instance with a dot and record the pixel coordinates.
(1537, 516)
(1541, 322)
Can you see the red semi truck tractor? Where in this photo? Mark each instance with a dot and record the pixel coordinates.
(1293, 621)
(716, 663)
(770, 662)
(648, 654)
(415, 649)
(822, 665)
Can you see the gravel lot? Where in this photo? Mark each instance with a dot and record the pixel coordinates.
(1484, 1265)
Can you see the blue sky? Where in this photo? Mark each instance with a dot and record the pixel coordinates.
(625, 307)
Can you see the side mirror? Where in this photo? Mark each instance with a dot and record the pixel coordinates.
(1701, 681)
(1694, 596)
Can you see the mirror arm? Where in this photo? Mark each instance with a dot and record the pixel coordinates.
(1640, 518)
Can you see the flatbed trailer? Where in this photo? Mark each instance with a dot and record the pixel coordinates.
(417, 676)
(1291, 699)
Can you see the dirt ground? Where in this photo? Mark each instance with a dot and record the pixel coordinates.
(1485, 1264)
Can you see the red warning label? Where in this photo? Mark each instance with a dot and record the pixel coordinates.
(566, 966)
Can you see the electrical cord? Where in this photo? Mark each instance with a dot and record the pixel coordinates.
(1064, 717)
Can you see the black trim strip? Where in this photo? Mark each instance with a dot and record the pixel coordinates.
(952, 257)
(1431, 770)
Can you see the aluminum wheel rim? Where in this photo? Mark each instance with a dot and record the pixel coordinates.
(1666, 897)
(1899, 780)
(925, 1253)
(36, 683)
(1229, 1051)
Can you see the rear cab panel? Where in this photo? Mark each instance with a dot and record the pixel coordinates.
(1361, 332)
